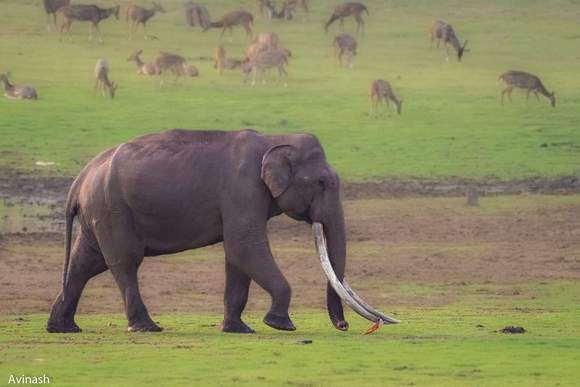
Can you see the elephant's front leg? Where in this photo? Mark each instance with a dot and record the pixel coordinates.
(247, 248)
(235, 298)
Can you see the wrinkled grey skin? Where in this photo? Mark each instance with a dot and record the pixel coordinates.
(178, 190)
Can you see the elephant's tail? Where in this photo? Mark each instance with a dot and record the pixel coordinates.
(72, 207)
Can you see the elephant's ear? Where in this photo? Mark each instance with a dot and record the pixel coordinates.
(277, 168)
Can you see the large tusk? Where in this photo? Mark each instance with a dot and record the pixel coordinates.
(342, 289)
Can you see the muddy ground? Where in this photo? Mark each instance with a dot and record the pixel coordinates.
(422, 251)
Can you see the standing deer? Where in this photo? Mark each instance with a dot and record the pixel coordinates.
(138, 15)
(232, 19)
(353, 9)
(441, 31)
(142, 67)
(345, 44)
(526, 81)
(90, 13)
(222, 62)
(264, 60)
(17, 91)
(382, 90)
(196, 15)
(102, 81)
(52, 7)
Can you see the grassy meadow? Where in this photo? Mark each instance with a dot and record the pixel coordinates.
(452, 123)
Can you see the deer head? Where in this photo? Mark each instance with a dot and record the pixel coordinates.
(157, 7)
(553, 99)
(461, 51)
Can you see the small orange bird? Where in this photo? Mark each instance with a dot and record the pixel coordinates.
(375, 327)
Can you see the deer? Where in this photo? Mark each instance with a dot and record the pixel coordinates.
(442, 31)
(342, 11)
(52, 7)
(264, 60)
(17, 91)
(196, 15)
(139, 15)
(142, 67)
(285, 13)
(529, 82)
(382, 90)
(176, 64)
(90, 13)
(102, 81)
(262, 42)
(345, 44)
(222, 62)
(265, 8)
(232, 19)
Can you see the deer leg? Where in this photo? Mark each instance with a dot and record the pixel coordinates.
(528, 91)
(537, 96)
(99, 33)
(360, 24)
(340, 53)
(145, 31)
(254, 73)
(446, 52)
(341, 24)
(223, 32)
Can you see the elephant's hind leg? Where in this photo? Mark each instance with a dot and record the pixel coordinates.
(235, 298)
(85, 263)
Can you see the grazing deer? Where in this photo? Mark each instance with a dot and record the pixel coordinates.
(52, 7)
(142, 67)
(442, 31)
(17, 91)
(196, 15)
(221, 62)
(382, 90)
(345, 44)
(263, 60)
(232, 19)
(102, 81)
(527, 81)
(90, 13)
(138, 15)
(353, 9)
(262, 42)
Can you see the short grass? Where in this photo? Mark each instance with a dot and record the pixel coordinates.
(455, 345)
(452, 122)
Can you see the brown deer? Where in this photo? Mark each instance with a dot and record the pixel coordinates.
(176, 64)
(196, 15)
(345, 44)
(142, 67)
(526, 81)
(262, 42)
(285, 13)
(265, 8)
(263, 60)
(139, 15)
(342, 11)
(52, 7)
(222, 62)
(382, 90)
(232, 19)
(441, 31)
(17, 91)
(102, 81)
(90, 13)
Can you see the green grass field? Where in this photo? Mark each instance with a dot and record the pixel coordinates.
(452, 122)
(457, 345)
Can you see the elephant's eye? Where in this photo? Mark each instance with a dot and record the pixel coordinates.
(322, 183)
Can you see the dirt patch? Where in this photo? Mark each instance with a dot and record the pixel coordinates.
(420, 252)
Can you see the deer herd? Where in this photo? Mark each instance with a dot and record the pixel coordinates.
(264, 52)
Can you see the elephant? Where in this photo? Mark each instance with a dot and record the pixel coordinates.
(176, 190)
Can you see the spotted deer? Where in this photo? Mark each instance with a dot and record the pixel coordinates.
(52, 7)
(345, 45)
(264, 60)
(442, 31)
(142, 67)
(102, 81)
(342, 11)
(526, 81)
(89, 13)
(222, 62)
(137, 15)
(382, 90)
(17, 91)
(175, 64)
(232, 19)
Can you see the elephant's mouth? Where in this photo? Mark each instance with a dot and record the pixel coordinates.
(343, 290)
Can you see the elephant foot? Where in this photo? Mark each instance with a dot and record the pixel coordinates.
(69, 327)
(341, 325)
(149, 326)
(233, 326)
(282, 323)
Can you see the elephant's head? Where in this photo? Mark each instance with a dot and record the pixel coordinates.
(305, 187)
